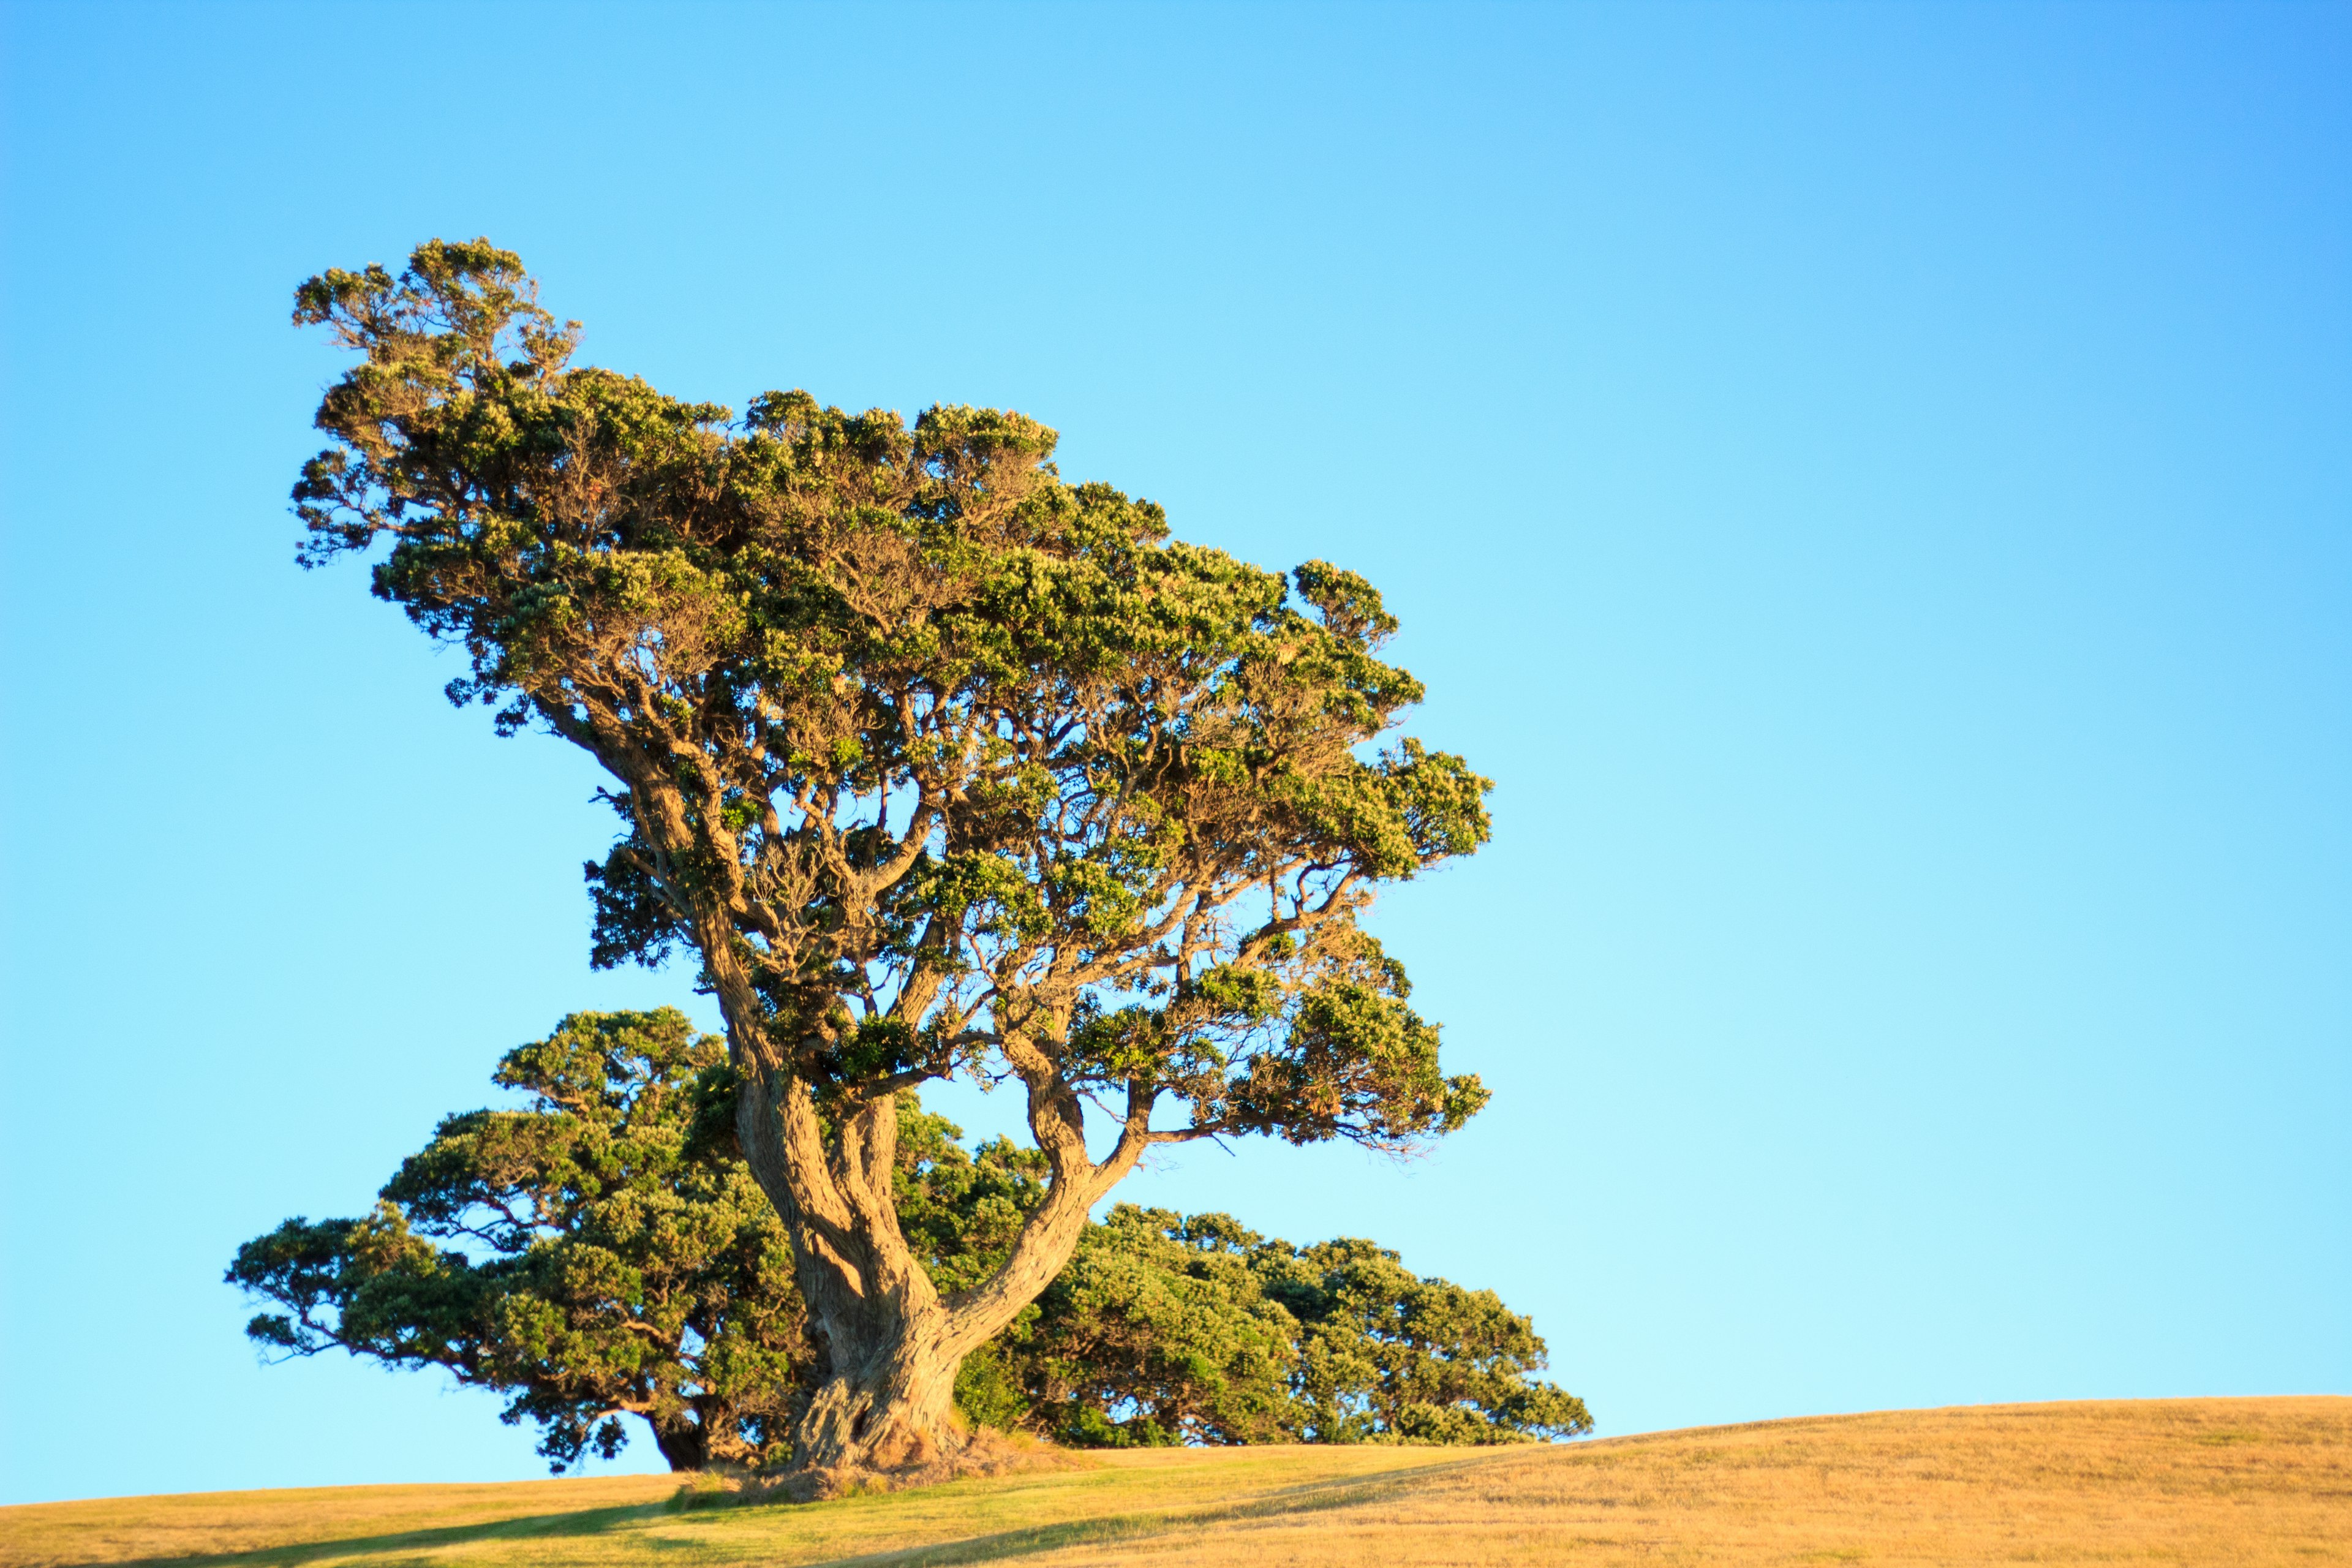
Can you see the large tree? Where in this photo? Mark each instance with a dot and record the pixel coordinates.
(939, 763)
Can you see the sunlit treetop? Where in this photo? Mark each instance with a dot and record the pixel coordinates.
(939, 762)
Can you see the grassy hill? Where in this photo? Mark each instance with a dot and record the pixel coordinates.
(2234, 1482)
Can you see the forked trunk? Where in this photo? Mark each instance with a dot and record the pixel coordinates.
(884, 1403)
(884, 1406)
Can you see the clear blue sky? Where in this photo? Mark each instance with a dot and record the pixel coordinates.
(1873, 483)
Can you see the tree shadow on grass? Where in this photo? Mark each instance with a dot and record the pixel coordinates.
(1102, 1530)
(1124, 1529)
(531, 1527)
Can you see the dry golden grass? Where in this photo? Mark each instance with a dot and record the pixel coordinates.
(2231, 1482)
(2194, 1481)
(223, 1524)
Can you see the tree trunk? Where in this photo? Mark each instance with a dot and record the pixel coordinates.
(681, 1442)
(885, 1406)
(885, 1402)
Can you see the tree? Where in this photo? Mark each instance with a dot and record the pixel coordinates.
(937, 764)
(601, 1252)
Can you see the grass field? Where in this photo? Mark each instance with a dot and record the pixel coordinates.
(2234, 1482)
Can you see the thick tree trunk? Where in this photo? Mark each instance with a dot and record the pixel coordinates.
(885, 1402)
(885, 1406)
(682, 1443)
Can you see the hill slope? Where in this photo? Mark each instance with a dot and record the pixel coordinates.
(2209, 1481)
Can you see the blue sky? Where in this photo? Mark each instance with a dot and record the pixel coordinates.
(1873, 483)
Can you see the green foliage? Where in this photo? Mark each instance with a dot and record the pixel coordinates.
(1170, 1329)
(1388, 1356)
(590, 1255)
(961, 1210)
(908, 730)
(603, 1252)
(1158, 1333)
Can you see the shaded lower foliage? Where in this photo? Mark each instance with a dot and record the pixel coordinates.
(1388, 1356)
(1175, 1329)
(593, 1255)
(1160, 1330)
(602, 1253)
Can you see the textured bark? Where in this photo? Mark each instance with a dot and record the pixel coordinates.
(887, 1399)
(892, 1344)
(682, 1443)
(887, 1409)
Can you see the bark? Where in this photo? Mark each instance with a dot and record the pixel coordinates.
(887, 1399)
(885, 1403)
(682, 1442)
(886, 1406)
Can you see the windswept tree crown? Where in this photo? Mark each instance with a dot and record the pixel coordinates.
(939, 762)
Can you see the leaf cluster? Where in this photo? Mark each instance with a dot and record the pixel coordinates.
(594, 1254)
(1174, 1328)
